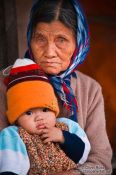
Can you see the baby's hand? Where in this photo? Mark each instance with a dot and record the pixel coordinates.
(51, 134)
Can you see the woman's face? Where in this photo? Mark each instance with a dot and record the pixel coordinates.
(53, 45)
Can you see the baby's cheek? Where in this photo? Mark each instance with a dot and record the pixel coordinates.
(46, 123)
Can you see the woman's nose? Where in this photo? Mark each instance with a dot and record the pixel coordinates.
(51, 50)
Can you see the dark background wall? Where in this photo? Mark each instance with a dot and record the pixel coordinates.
(101, 60)
(8, 33)
(22, 9)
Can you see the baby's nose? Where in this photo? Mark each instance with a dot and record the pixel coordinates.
(38, 117)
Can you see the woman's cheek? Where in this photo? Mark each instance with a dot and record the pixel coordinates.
(37, 56)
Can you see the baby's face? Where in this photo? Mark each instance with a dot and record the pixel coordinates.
(37, 118)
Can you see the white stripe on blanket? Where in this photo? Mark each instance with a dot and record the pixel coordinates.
(14, 162)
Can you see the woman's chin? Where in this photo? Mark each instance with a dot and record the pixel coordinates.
(51, 71)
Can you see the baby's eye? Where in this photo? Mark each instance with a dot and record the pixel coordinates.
(29, 113)
(45, 109)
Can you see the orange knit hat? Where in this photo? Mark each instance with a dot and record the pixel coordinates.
(28, 87)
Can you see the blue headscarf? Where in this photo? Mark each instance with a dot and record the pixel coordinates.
(61, 82)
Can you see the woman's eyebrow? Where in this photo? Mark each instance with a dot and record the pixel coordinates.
(42, 32)
(38, 33)
(62, 35)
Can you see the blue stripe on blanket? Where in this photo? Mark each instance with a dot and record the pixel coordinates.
(10, 139)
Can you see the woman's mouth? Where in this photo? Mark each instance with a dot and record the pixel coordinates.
(50, 64)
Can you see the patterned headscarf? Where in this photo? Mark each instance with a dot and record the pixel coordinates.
(61, 82)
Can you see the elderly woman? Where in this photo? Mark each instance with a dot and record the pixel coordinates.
(58, 41)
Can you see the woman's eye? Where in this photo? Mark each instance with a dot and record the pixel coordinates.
(61, 39)
(61, 42)
(45, 109)
(40, 39)
(29, 113)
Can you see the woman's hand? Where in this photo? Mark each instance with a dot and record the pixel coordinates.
(51, 134)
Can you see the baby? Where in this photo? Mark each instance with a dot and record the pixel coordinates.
(38, 139)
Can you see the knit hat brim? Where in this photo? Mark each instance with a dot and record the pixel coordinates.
(28, 95)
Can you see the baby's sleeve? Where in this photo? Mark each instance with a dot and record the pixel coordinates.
(76, 145)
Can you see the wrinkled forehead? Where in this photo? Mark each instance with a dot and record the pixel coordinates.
(53, 28)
